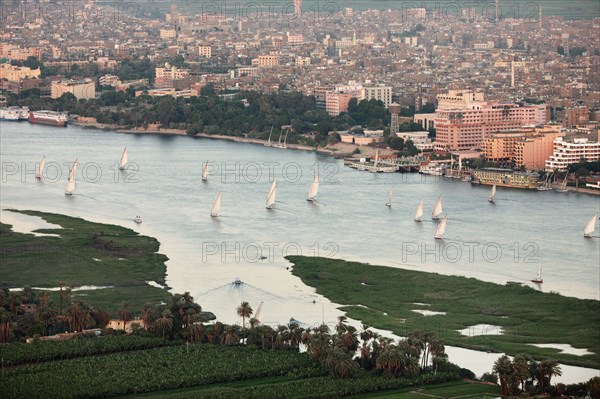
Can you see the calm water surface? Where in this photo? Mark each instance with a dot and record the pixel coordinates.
(505, 241)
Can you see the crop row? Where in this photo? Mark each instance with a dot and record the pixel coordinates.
(150, 370)
(310, 388)
(20, 353)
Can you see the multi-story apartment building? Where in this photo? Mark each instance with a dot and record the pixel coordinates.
(382, 93)
(15, 74)
(529, 147)
(463, 121)
(168, 33)
(266, 61)
(294, 40)
(81, 89)
(336, 103)
(170, 72)
(205, 51)
(574, 116)
(566, 153)
(109, 80)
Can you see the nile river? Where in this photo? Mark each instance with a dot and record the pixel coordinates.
(505, 241)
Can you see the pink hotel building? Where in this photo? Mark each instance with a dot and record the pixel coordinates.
(463, 119)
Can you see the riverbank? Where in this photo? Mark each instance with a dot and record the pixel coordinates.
(517, 317)
(338, 150)
(114, 263)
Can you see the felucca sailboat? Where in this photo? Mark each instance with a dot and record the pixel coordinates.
(437, 211)
(214, 212)
(39, 171)
(389, 198)
(419, 213)
(441, 229)
(492, 196)
(313, 189)
(123, 160)
(271, 195)
(205, 172)
(590, 227)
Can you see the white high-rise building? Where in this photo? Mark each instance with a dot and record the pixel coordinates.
(571, 152)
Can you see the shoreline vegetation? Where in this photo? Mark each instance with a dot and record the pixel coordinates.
(85, 254)
(386, 297)
(336, 150)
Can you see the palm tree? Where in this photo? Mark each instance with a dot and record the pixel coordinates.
(14, 300)
(502, 367)
(341, 326)
(244, 310)
(190, 316)
(593, 386)
(230, 337)
(350, 339)
(75, 316)
(283, 336)
(548, 369)
(196, 332)
(61, 284)
(338, 362)
(4, 325)
(165, 323)
(46, 316)
(125, 314)
(148, 316)
(295, 335)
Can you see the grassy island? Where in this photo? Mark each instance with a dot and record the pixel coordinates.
(83, 253)
(386, 297)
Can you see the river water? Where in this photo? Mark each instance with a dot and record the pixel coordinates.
(505, 241)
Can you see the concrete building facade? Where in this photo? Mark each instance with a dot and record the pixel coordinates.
(81, 89)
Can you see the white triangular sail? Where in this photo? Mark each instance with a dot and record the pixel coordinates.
(70, 183)
(441, 229)
(75, 164)
(123, 160)
(313, 189)
(437, 211)
(419, 213)
(376, 158)
(590, 227)
(39, 171)
(271, 195)
(216, 206)
(539, 275)
(205, 172)
(492, 196)
(389, 198)
(259, 313)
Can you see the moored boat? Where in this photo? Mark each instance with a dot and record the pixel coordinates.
(48, 118)
(7, 114)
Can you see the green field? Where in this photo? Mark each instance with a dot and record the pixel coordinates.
(388, 295)
(457, 390)
(125, 260)
(194, 371)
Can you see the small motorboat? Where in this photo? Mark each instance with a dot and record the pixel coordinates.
(137, 219)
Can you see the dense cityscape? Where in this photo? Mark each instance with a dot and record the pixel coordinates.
(501, 97)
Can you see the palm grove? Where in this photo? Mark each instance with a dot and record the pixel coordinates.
(342, 351)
